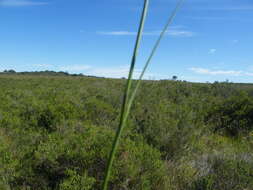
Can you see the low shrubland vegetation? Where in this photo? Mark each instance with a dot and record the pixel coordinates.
(56, 133)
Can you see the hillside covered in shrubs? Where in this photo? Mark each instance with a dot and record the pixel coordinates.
(56, 133)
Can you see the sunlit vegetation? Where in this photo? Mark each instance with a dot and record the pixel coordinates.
(56, 132)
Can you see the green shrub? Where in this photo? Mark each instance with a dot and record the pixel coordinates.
(76, 181)
(233, 116)
(56, 132)
(226, 174)
(77, 155)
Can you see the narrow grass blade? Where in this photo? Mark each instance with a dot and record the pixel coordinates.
(170, 20)
(124, 110)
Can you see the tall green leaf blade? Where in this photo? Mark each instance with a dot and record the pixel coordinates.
(124, 110)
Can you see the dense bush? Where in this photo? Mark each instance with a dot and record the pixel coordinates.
(233, 116)
(76, 155)
(56, 134)
(226, 174)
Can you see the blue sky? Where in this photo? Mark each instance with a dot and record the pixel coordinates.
(210, 40)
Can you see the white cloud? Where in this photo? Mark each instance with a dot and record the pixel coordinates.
(212, 51)
(216, 72)
(228, 7)
(75, 68)
(180, 33)
(250, 68)
(43, 66)
(234, 8)
(249, 74)
(117, 72)
(20, 3)
(205, 71)
(112, 72)
(207, 18)
(116, 33)
(172, 32)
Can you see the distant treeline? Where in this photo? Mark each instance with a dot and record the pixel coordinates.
(44, 73)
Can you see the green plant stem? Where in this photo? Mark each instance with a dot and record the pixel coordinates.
(170, 20)
(124, 111)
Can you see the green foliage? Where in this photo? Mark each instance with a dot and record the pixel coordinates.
(77, 182)
(99, 112)
(77, 155)
(56, 134)
(233, 116)
(226, 174)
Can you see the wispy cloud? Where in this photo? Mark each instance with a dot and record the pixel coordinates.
(205, 18)
(112, 72)
(213, 18)
(21, 3)
(218, 19)
(217, 7)
(217, 72)
(249, 74)
(212, 51)
(118, 72)
(182, 33)
(172, 32)
(116, 33)
(75, 68)
(42, 65)
(233, 8)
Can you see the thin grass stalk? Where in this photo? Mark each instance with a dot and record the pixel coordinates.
(170, 20)
(124, 111)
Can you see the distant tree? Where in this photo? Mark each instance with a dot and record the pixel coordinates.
(174, 77)
(63, 73)
(12, 71)
(9, 71)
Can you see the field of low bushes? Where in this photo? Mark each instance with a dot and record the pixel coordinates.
(56, 133)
